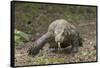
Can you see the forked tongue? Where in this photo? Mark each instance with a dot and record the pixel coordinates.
(59, 46)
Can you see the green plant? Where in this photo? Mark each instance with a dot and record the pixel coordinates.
(20, 36)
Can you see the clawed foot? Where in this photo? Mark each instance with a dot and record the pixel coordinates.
(33, 51)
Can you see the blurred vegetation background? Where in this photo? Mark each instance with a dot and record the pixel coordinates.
(34, 18)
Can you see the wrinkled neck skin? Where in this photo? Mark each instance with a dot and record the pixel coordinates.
(42, 40)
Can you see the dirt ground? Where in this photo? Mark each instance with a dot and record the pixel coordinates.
(86, 53)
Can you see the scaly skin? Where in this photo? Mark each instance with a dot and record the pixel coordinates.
(60, 31)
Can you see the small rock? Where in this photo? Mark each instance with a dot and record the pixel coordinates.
(91, 43)
(85, 39)
(18, 55)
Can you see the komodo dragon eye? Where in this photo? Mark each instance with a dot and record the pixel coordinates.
(59, 31)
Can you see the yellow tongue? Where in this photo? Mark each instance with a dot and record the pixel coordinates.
(59, 46)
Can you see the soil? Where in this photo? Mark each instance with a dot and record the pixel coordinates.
(87, 53)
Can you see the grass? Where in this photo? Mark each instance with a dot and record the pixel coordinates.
(20, 37)
(49, 60)
(41, 14)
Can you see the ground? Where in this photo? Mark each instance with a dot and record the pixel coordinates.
(87, 53)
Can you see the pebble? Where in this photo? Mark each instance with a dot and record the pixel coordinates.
(91, 43)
